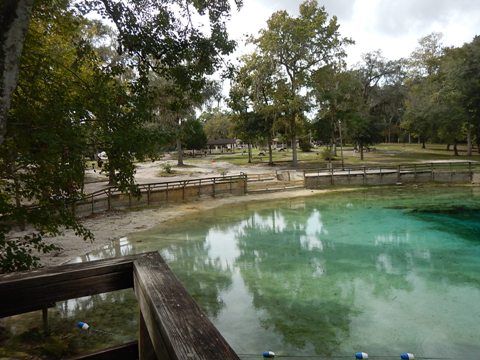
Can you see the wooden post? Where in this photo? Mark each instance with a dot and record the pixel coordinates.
(109, 199)
(46, 328)
(93, 204)
(177, 327)
(398, 174)
(364, 175)
(148, 195)
(213, 190)
(145, 346)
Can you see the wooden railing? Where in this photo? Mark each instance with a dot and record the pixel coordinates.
(414, 168)
(112, 198)
(441, 172)
(172, 326)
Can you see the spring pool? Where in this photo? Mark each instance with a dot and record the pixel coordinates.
(384, 271)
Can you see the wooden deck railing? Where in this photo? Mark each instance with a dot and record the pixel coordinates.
(419, 167)
(172, 326)
(112, 198)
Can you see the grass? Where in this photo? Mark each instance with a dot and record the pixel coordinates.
(386, 154)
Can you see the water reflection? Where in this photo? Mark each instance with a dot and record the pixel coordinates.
(326, 276)
(330, 275)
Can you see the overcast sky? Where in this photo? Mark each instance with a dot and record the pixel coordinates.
(394, 26)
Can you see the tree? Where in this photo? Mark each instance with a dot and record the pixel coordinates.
(299, 46)
(42, 157)
(255, 90)
(217, 125)
(70, 101)
(193, 135)
(419, 118)
(14, 19)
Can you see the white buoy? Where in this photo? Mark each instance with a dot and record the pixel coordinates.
(83, 325)
(268, 354)
(361, 355)
(407, 356)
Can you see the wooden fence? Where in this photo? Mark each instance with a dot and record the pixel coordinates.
(112, 198)
(172, 326)
(448, 172)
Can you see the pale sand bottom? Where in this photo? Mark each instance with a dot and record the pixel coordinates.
(110, 227)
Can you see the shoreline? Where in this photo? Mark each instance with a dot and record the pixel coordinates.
(110, 227)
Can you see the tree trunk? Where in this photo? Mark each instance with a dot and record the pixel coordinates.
(448, 147)
(249, 153)
(361, 150)
(179, 152)
(14, 19)
(455, 150)
(423, 144)
(469, 141)
(293, 133)
(270, 152)
(111, 177)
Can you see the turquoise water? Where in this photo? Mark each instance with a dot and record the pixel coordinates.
(381, 271)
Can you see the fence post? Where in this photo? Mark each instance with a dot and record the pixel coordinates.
(431, 169)
(109, 199)
(470, 170)
(46, 327)
(145, 346)
(364, 175)
(148, 195)
(213, 190)
(92, 204)
(398, 173)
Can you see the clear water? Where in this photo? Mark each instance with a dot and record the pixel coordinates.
(381, 271)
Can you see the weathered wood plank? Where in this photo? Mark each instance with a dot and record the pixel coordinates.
(127, 351)
(175, 323)
(34, 290)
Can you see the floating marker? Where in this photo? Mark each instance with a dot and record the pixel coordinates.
(361, 355)
(407, 356)
(268, 354)
(83, 325)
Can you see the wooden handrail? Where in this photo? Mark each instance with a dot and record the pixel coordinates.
(177, 327)
(172, 326)
(470, 165)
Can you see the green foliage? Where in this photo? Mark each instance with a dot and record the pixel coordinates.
(218, 125)
(193, 135)
(41, 160)
(305, 144)
(82, 91)
(167, 168)
(299, 46)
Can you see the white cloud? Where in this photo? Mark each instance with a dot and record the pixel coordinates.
(394, 26)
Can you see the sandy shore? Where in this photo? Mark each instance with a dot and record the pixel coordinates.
(110, 227)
